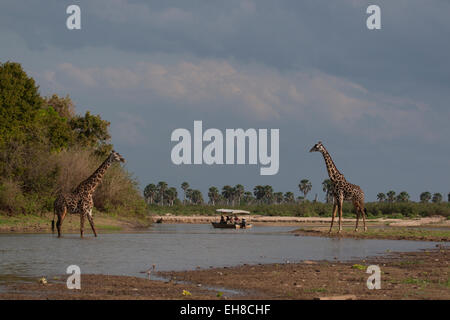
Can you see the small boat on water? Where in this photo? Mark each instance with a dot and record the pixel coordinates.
(222, 225)
(229, 224)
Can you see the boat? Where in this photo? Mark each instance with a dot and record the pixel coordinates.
(226, 225)
(221, 225)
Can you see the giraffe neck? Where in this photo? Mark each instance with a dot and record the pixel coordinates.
(91, 183)
(333, 172)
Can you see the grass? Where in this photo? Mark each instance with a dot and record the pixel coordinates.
(359, 267)
(315, 290)
(416, 281)
(401, 233)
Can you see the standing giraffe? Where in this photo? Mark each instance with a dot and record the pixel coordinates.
(342, 190)
(80, 200)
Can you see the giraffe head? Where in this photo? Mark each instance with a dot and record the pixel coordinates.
(318, 147)
(115, 156)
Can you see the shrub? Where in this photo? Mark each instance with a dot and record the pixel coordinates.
(11, 197)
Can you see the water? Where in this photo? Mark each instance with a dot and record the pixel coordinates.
(179, 247)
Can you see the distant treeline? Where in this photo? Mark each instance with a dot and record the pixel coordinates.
(46, 147)
(263, 200)
(316, 209)
(162, 194)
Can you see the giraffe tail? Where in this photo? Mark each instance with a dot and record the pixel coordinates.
(53, 222)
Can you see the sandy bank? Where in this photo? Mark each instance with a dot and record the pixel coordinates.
(170, 218)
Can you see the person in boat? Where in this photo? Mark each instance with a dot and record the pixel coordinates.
(243, 223)
(228, 219)
(222, 219)
(236, 220)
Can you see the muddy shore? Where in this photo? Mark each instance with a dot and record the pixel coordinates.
(412, 275)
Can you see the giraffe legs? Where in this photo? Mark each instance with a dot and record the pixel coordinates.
(357, 220)
(61, 216)
(91, 222)
(357, 210)
(82, 216)
(333, 215)
(364, 219)
(340, 214)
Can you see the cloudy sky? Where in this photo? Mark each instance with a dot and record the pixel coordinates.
(378, 99)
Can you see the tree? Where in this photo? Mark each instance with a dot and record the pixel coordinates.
(278, 197)
(425, 197)
(305, 186)
(437, 198)
(448, 197)
(64, 106)
(162, 186)
(19, 103)
(403, 197)
(289, 197)
(390, 196)
(150, 192)
(228, 193)
(327, 187)
(381, 197)
(91, 131)
(238, 192)
(213, 194)
(171, 194)
(184, 186)
(268, 194)
(248, 197)
(197, 197)
(258, 191)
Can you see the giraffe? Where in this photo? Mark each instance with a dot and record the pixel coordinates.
(79, 201)
(342, 189)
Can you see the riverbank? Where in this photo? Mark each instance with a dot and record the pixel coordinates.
(71, 224)
(412, 275)
(392, 233)
(437, 221)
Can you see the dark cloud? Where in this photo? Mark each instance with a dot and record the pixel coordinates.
(311, 68)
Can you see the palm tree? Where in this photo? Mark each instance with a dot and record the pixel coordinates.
(162, 186)
(448, 197)
(403, 197)
(425, 197)
(381, 197)
(305, 186)
(213, 194)
(150, 192)
(184, 186)
(228, 193)
(171, 194)
(248, 197)
(437, 198)
(268, 194)
(289, 197)
(278, 197)
(390, 196)
(197, 197)
(258, 191)
(238, 192)
(327, 187)
(189, 194)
